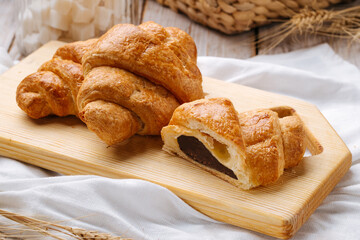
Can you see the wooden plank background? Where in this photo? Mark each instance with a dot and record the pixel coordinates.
(209, 42)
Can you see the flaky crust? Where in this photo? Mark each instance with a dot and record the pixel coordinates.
(164, 56)
(51, 90)
(264, 147)
(70, 73)
(110, 121)
(54, 87)
(293, 134)
(75, 51)
(217, 113)
(256, 141)
(150, 104)
(146, 70)
(43, 93)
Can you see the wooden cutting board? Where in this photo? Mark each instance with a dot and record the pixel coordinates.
(65, 145)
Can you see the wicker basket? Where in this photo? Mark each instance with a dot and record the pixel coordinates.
(234, 16)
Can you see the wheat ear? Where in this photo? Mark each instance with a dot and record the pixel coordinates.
(45, 228)
(340, 24)
(2, 235)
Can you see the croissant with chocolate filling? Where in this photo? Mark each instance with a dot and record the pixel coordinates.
(135, 77)
(247, 149)
(54, 87)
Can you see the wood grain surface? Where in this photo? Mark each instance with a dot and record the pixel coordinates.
(65, 145)
(208, 41)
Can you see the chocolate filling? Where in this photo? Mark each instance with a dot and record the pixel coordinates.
(194, 149)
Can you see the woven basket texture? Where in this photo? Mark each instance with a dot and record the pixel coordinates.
(234, 16)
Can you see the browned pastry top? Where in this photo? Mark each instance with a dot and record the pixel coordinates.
(54, 87)
(74, 51)
(217, 114)
(152, 103)
(51, 90)
(293, 134)
(264, 147)
(70, 72)
(165, 56)
(43, 93)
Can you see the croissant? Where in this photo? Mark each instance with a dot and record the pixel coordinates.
(135, 77)
(164, 56)
(247, 149)
(54, 87)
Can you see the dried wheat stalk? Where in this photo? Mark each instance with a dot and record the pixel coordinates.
(340, 24)
(49, 229)
(2, 235)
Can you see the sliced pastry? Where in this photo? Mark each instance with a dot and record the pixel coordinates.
(247, 149)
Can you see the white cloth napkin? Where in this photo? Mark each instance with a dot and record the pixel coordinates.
(142, 210)
(5, 60)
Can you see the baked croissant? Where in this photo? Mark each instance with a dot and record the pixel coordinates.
(247, 149)
(164, 56)
(135, 77)
(54, 87)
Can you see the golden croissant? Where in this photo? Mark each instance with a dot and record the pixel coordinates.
(135, 77)
(54, 87)
(247, 149)
(130, 81)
